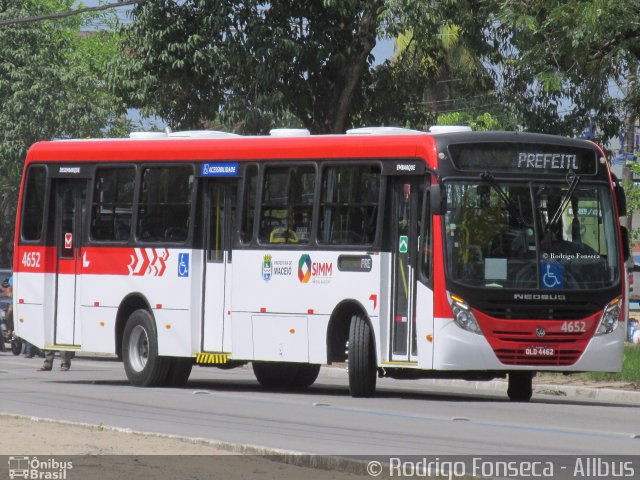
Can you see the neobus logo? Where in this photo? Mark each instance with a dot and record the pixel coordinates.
(308, 269)
(538, 296)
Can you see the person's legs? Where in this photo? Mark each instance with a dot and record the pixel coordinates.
(48, 360)
(65, 360)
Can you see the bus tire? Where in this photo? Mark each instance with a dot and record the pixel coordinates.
(142, 364)
(274, 374)
(361, 358)
(306, 375)
(16, 346)
(520, 387)
(179, 371)
(285, 374)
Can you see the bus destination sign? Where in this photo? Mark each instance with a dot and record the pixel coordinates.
(521, 157)
(544, 161)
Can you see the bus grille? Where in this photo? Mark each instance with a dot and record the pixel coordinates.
(541, 312)
(538, 341)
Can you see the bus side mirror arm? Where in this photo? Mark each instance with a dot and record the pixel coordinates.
(438, 200)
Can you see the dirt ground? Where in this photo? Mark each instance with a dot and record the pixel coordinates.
(578, 381)
(106, 454)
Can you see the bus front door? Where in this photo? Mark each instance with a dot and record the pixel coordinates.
(69, 214)
(405, 203)
(220, 201)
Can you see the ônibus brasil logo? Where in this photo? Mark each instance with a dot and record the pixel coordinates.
(321, 272)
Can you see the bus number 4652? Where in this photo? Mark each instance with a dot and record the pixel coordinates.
(574, 327)
(31, 259)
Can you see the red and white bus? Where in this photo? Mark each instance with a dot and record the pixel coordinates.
(469, 255)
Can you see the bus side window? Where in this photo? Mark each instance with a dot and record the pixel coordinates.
(349, 205)
(248, 204)
(165, 204)
(287, 204)
(112, 204)
(34, 201)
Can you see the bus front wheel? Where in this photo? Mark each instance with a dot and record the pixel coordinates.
(520, 387)
(361, 358)
(142, 364)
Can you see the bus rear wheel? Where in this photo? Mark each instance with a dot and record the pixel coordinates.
(362, 358)
(284, 374)
(520, 387)
(142, 364)
(179, 372)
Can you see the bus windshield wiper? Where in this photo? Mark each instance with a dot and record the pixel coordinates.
(511, 208)
(573, 181)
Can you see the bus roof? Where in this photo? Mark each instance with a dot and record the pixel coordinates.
(380, 144)
(233, 148)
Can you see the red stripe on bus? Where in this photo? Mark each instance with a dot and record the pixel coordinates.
(95, 261)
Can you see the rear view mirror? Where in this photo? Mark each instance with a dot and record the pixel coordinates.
(626, 252)
(621, 198)
(438, 201)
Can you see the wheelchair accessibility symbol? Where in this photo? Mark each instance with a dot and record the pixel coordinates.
(552, 275)
(183, 264)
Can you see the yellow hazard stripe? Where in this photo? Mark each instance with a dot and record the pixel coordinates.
(212, 358)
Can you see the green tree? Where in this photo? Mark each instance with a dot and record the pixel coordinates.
(51, 86)
(483, 122)
(246, 63)
(562, 63)
(253, 64)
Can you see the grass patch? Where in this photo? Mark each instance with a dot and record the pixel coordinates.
(630, 367)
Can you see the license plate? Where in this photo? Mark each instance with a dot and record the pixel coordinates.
(539, 351)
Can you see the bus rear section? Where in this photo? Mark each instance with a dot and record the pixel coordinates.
(459, 255)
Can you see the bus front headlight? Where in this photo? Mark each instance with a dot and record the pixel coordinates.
(610, 317)
(463, 316)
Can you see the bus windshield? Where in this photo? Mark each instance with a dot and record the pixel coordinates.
(545, 236)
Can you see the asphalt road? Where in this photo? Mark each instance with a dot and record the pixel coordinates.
(405, 418)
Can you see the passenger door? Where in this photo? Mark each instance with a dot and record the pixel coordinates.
(405, 203)
(220, 204)
(69, 198)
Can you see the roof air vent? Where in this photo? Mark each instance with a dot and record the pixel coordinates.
(383, 131)
(449, 128)
(289, 132)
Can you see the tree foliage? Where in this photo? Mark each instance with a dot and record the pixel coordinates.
(248, 62)
(252, 64)
(51, 86)
(563, 62)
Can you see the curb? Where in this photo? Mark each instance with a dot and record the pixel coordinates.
(289, 457)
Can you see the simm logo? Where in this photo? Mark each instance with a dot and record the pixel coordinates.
(316, 272)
